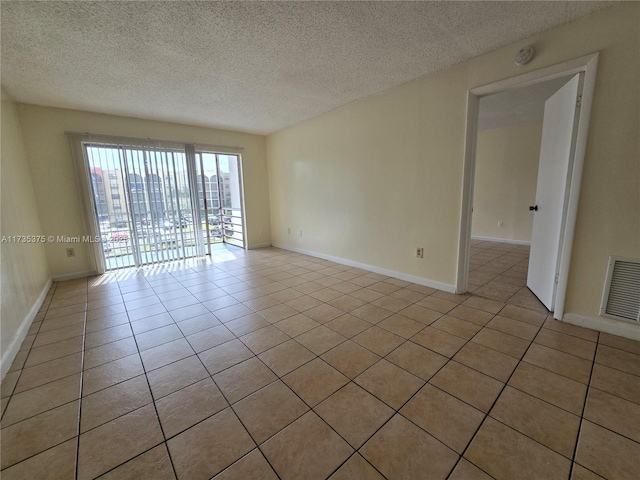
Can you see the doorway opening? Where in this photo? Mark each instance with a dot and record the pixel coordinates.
(554, 206)
(220, 198)
(156, 204)
(508, 142)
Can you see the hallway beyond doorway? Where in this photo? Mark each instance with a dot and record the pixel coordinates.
(498, 271)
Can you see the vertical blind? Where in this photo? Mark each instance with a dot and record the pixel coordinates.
(145, 199)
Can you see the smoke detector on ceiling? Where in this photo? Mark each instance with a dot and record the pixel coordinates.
(524, 56)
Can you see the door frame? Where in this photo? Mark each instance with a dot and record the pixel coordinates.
(241, 185)
(588, 65)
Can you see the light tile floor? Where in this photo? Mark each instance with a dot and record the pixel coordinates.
(269, 364)
(499, 271)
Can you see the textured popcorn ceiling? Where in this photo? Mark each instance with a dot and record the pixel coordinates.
(249, 66)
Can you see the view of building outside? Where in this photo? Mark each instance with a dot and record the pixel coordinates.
(143, 202)
(110, 194)
(220, 198)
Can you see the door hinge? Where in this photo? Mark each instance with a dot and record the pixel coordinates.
(579, 101)
(557, 276)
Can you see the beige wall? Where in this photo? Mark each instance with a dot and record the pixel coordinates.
(373, 180)
(24, 271)
(55, 183)
(505, 181)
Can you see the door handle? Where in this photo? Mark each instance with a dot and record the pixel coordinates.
(533, 208)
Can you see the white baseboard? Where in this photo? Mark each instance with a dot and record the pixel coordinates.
(10, 354)
(500, 240)
(73, 276)
(372, 268)
(259, 245)
(603, 324)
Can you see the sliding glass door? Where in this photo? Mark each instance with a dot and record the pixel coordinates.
(220, 198)
(144, 199)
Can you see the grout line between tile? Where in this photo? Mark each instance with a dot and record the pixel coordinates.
(584, 407)
(244, 270)
(80, 401)
(155, 408)
(491, 408)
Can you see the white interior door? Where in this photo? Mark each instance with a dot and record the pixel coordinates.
(553, 173)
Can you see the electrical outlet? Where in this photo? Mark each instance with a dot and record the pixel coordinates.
(289, 231)
(420, 252)
(71, 252)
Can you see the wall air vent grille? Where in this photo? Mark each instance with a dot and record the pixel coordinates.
(621, 296)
